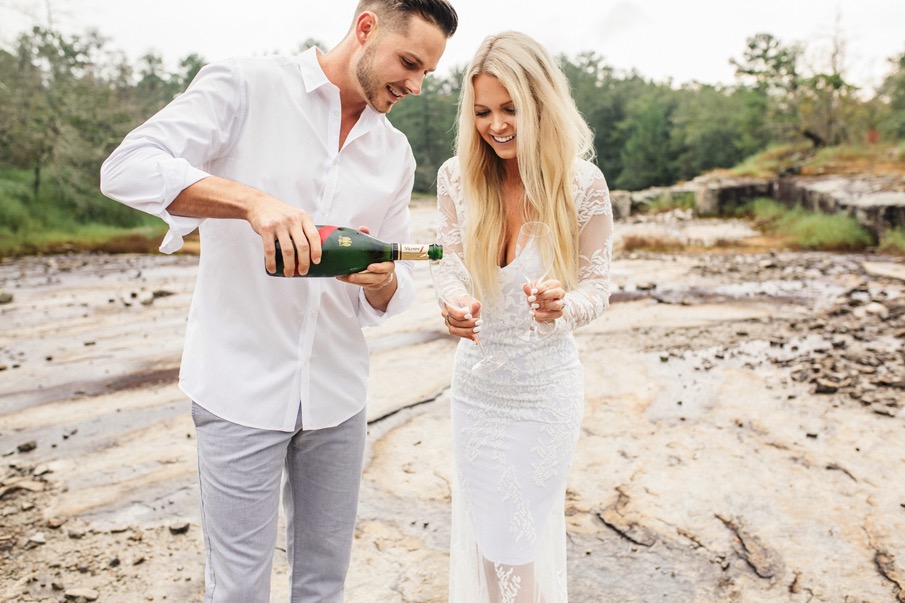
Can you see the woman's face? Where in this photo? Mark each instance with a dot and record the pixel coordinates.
(494, 115)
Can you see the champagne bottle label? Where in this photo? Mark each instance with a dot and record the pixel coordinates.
(416, 252)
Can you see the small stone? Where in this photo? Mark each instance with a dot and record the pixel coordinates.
(146, 298)
(825, 386)
(27, 446)
(85, 594)
(55, 522)
(35, 540)
(179, 528)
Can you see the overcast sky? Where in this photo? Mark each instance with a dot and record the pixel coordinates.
(681, 40)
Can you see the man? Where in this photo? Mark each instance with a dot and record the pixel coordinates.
(256, 151)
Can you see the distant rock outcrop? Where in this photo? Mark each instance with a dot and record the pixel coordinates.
(876, 202)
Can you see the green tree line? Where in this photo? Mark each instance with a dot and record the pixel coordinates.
(67, 100)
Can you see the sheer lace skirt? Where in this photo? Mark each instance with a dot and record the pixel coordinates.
(514, 436)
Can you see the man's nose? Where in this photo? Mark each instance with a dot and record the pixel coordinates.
(413, 84)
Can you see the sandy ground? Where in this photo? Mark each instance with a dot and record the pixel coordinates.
(743, 433)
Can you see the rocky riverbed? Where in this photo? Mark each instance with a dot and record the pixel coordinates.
(743, 438)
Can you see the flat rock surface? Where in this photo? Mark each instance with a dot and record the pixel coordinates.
(743, 437)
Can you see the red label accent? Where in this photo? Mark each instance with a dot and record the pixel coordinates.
(325, 232)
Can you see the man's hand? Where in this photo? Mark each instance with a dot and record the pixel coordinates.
(378, 281)
(274, 221)
(375, 278)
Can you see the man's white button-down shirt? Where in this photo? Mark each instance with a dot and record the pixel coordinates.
(258, 346)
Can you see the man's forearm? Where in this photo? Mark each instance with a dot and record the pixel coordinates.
(215, 197)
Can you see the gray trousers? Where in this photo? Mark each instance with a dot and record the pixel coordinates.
(241, 471)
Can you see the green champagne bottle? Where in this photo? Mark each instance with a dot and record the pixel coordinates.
(346, 251)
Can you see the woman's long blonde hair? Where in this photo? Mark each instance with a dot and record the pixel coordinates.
(551, 134)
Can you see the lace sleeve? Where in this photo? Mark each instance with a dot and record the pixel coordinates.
(449, 227)
(595, 249)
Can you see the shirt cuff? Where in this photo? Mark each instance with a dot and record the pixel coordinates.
(369, 316)
(178, 174)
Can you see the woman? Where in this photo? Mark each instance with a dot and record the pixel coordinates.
(522, 154)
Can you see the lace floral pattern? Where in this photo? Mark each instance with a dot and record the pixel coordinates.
(515, 430)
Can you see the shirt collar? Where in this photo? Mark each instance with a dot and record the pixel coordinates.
(313, 77)
(312, 74)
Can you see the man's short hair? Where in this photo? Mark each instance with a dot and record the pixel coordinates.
(394, 14)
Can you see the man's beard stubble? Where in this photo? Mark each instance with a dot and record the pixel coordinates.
(368, 80)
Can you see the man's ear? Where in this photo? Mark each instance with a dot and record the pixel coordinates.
(365, 26)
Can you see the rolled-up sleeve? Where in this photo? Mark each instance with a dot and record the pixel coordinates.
(169, 152)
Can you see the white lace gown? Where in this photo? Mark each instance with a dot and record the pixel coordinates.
(515, 429)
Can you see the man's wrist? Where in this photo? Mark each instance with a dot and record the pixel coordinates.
(385, 283)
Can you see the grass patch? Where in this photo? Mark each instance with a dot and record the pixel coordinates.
(83, 237)
(883, 159)
(804, 229)
(803, 159)
(893, 242)
(763, 210)
(670, 201)
(823, 232)
(774, 161)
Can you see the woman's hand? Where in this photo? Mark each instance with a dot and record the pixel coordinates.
(463, 324)
(547, 300)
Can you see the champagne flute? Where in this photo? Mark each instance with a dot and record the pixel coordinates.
(534, 252)
(455, 289)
